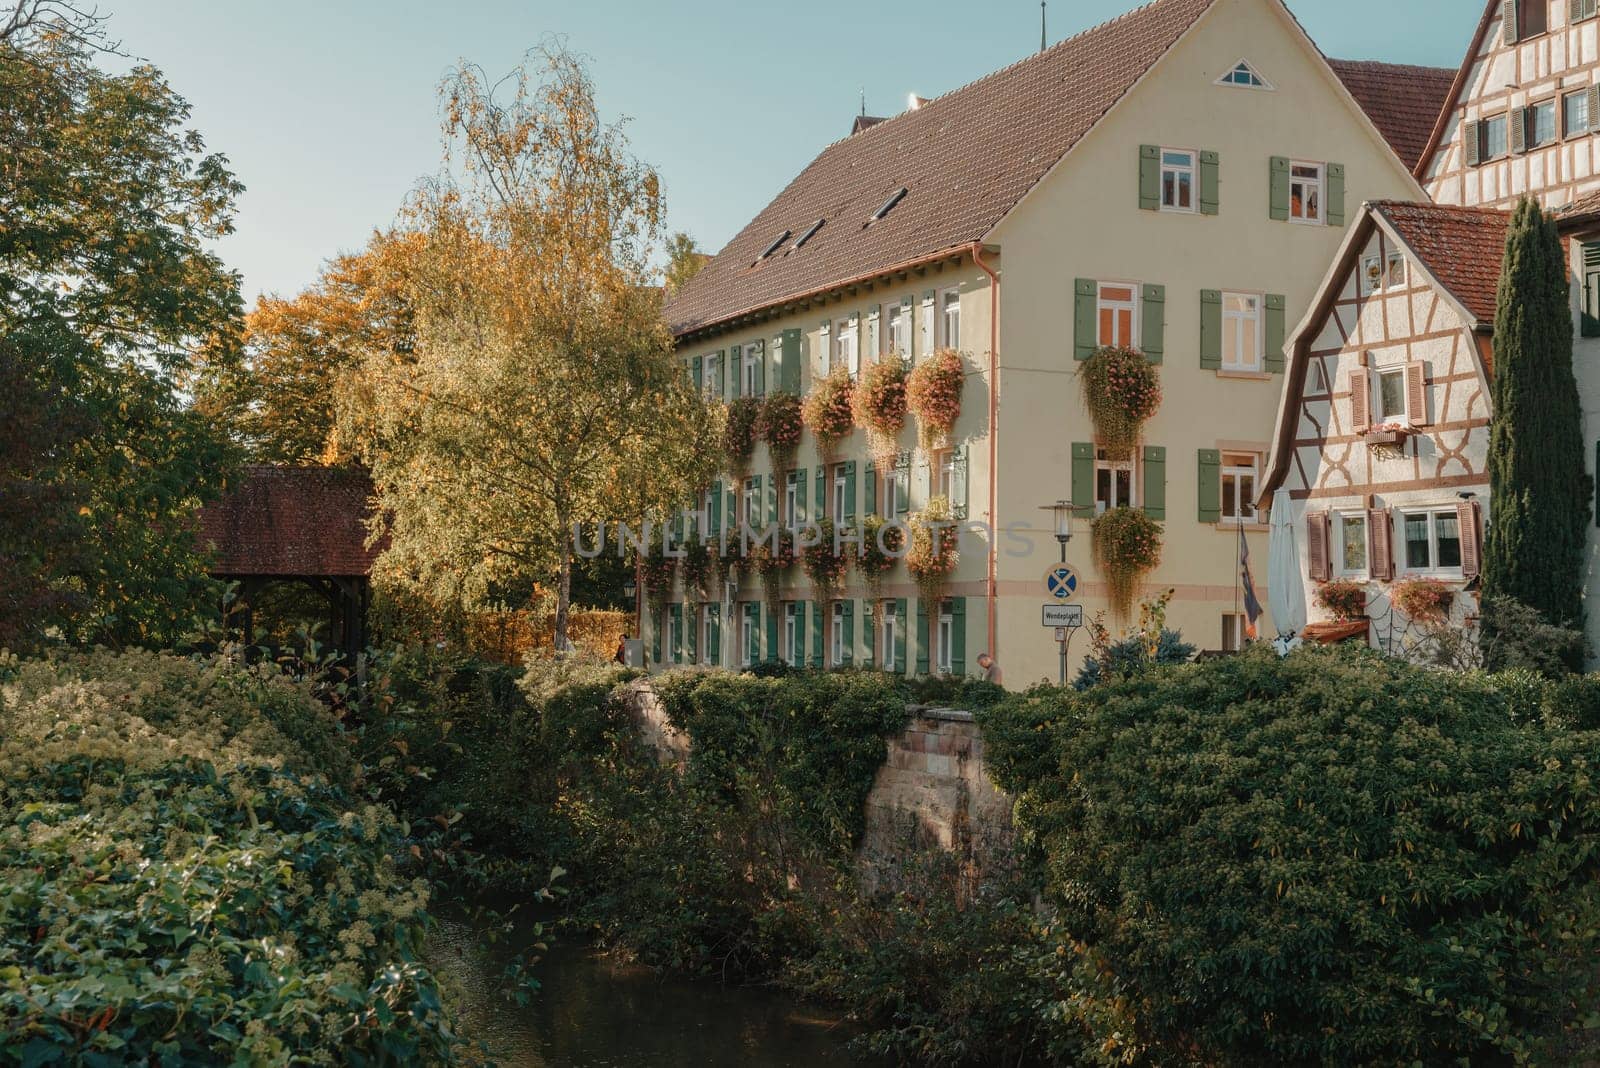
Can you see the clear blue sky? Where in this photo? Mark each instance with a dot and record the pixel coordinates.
(328, 114)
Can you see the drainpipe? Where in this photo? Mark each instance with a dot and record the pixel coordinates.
(994, 440)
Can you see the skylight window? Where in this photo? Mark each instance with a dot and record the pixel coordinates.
(894, 198)
(1245, 76)
(811, 231)
(775, 245)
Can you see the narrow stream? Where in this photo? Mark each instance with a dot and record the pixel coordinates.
(592, 1012)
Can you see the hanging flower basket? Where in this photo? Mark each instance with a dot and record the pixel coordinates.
(828, 412)
(823, 564)
(740, 433)
(1122, 390)
(1424, 600)
(696, 567)
(933, 394)
(1127, 547)
(934, 552)
(879, 404)
(882, 543)
(771, 564)
(1347, 600)
(781, 424)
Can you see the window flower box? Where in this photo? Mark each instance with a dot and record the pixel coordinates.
(1392, 435)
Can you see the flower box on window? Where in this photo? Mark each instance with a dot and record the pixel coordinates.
(1392, 434)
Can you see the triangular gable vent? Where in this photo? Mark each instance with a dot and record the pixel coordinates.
(1245, 76)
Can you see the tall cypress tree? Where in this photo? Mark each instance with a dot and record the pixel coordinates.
(1538, 489)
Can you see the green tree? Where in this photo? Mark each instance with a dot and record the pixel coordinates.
(108, 299)
(543, 391)
(1538, 491)
(684, 261)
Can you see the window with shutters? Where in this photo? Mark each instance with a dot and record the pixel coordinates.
(946, 637)
(1492, 138)
(1241, 332)
(750, 508)
(1243, 75)
(845, 348)
(1233, 632)
(1350, 544)
(1117, 305)
(1533, 18)
(1116, 482)
(943, 465)
(749, 637)
(1541, 120)
(675, 634)
(1432, 539)
(840, 488)
(1583, 9)
(1590, 324)
(1305, 192)
(1240, 473)
(925, 325)
(791, 496)
(1575, 114)
(950, 318)
(836, 635)
(889, 627)
(712, 380)
(1392, 396)
(871, 340)
(897, 337)
(750, 371)
(892, 490)
(1178, 179)
(794, 633)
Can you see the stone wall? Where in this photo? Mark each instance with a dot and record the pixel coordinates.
(931, 791)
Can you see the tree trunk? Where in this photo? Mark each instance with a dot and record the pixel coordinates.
(563, 586)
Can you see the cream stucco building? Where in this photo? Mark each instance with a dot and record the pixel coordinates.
(1176, 180)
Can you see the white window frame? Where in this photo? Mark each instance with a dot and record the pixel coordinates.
(926, 326)
(749, 501)
(1227, 77)
(1567, 129)
(1532, 119)
(836, 635)
(1433, 512)
(1178, 170)
(791, 497)
(946, 635)
(837, 494)
(950, 318)
(1233, 632)
(846, 345)
(794, 633)
(1340, 520)
(1379, 376)
(1230, 328)
(747, 372)
(1317, 184)
(674, 635)
(748, 630)
(705, 635)
(890, 629)
(708, 376)
(1392, 260)
(897, 336)
(1244, 504)
(1101, 463)
(888, 493)
(1485, 125)
(942, 467)
(872, 340)
(1115, 305)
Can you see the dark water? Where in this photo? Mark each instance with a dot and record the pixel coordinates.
(592, 1012)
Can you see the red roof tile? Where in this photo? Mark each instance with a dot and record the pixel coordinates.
(1461, 247)
(1585, 208)
(1403, 101)
(965, 158)
(292, 521)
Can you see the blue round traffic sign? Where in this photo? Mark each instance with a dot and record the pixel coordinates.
(1061, 582)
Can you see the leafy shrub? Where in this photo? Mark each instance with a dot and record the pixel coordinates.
(1332, 858)
(184, 880)
(951, 691)
(1128, 656)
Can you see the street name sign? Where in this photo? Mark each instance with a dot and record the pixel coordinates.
(1063, 615)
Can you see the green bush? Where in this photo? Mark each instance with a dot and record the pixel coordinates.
(184, 879)
(1333, 858)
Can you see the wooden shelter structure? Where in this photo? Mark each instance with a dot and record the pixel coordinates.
(302, 525)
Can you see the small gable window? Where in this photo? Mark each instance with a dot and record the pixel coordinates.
(1245, 76)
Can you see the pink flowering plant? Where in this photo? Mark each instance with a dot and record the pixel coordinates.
(1425, 600)
(740, 433)
(771, 563)
(1346, 599)
(823, 564)
(879, 404)
(882, 543)
(1127, 547)
(829, 412)
(933, 394)
(781, 425)
(935, 544)
(1122, 390)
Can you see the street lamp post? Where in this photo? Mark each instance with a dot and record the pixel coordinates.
(1062, 513)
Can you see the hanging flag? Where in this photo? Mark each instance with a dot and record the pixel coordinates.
(1252, 606)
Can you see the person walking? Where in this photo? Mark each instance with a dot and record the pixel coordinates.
(991, 669)
(621, 655)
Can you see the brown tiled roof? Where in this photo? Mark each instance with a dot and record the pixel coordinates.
(965, 159)
(1403, 101)
(1585, 207)
(1461, 247)
(292, 521)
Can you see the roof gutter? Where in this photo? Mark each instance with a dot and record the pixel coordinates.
(992, 585)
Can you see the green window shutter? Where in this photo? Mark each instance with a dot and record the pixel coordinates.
(1508, 24)
(1085, 318)
(1278, 193)
(822, 493)
(714, 520)
(772, 497)
(958, 637)
(1149, 177)
(1210, 183)
(761, 369)
(1155, 481)
(901, 624)
(847, 639)
(677, 633)
(800, 479)
(713, 635)
(691, 634)
(730, 508)
(849, 489)
(791, 362)
(1517, 130)
(1473, 144)
(814, 611)
(922, 636)
(735, 364)
(772, 636)
(1083, 478)
(1153, 330)
(902, 487)
(1336, 194)
(1210, 486)
(757, 517)
(699, 378)
(958, 483)
(1210, 329)
(869, 634)
(1274, 333)
(722, 373)
(929, 301)
(869, 486)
